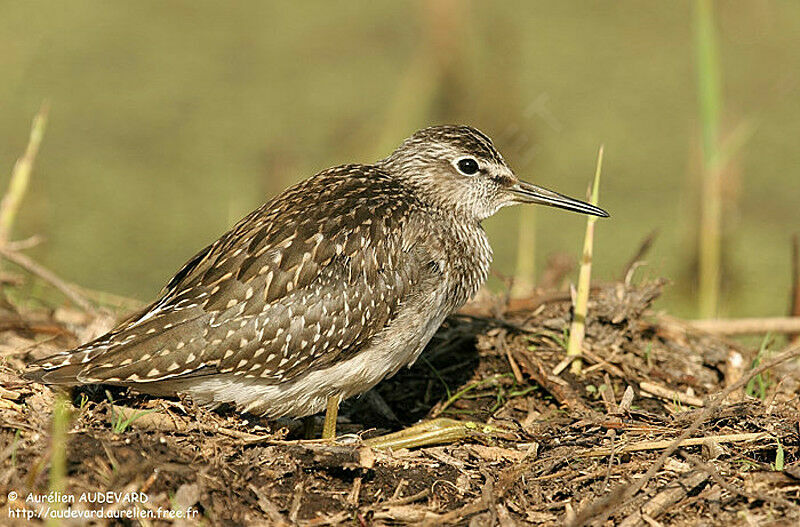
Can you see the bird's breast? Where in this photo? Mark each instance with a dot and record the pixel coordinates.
(469, 258)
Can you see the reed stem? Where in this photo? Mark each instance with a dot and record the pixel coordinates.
(21, 175)
(710, 100)
(578, 327)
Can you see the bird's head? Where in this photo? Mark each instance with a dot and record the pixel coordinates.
(458, 168)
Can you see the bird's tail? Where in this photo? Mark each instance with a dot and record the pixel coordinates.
(64, 367)
(64, 375)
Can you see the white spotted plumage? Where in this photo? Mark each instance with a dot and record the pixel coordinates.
(323, 291)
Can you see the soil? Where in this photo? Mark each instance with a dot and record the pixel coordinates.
(564, 448)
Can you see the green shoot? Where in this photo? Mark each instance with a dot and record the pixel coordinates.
(83, 402)
(596, 392)
(758, 385)
(746, 465)
(58, 449)
(121, 421)
(436, 373)
(504, 395)
(564, 341)
(21, 175)
(578, 327)
(778, 466)
(14, 446)
(677, 406)
(462, 392)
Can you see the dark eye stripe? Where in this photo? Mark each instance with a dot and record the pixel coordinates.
(504, 181)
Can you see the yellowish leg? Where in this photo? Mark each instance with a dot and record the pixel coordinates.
(434, 432)
(331, 414)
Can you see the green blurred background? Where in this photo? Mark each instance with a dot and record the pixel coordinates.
(171, 120)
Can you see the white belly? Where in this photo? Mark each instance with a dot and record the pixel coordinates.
(398, 345)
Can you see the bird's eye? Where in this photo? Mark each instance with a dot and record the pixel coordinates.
(467, 166)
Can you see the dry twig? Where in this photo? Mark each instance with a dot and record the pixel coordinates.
(717, 477)
(668, 497)
(604, 507)
(558, 388)
(748, 326)
(662, 392)
(48, 276)
(640, 253)
(666, 443)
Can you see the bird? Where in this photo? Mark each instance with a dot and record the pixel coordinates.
(322, 292)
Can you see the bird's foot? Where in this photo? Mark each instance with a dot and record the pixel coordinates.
(435, 432)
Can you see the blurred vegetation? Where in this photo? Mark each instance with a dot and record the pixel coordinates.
(710, 101)
(171, 120)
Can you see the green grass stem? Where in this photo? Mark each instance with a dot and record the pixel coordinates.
(21, 175)
(710, 100)
(578, 327)
(525, 273)
(58, 450)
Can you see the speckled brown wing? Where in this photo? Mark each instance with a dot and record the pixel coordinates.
(290, 287)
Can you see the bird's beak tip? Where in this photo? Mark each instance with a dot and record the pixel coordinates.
(528, 193)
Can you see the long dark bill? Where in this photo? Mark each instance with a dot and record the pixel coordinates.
(528, 193)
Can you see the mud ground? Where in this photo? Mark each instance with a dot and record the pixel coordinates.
(565, 449)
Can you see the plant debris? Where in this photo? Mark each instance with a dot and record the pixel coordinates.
(574, 450)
